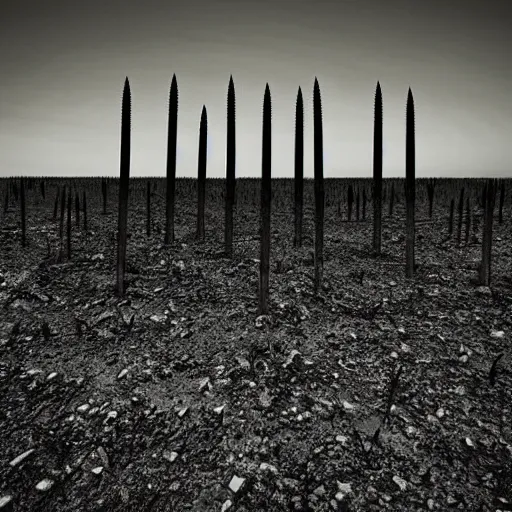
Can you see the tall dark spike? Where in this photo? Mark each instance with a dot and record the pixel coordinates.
(468, 220)
(77, 209)
(350, 201)
(410, 176)
(148, 209)
(201, 173)
(104, 195)
(62, 209)
(84, 202)
(124, 184)
(172, 136)
(23, 214)
(266, 192)
(299, 169)
(485, 266)
(450, 218)
(460, 212)
(68, 225)
(230, 170)
(318, 187)
(502, 201)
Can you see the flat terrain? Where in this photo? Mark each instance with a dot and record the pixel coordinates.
(150, 402)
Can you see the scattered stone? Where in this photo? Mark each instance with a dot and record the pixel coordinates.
(174, 486)
(112, 415)
(45, 485)
(236, 483)
(440, 412)
(484, 290)
(98, 470)
(5, 502)
(339, 496)
(459, 390)
(170, 456)
(21, 458)
(342, 439)
(264, 466)
(103, 456)
(291, 357)
(182, 412)
(218, 410)
(400, 482)
(430, 504)
(469, 442)
(122, 373)
(497, 334)
(205, 383)
(347, 406)
(320, 490)
(265, 399)
(410, 430)
(52, 376)
(344, 488)
(83, 408)
(261, 320)
(451, 501)
(226, 505)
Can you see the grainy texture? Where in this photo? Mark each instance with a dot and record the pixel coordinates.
(189, 313)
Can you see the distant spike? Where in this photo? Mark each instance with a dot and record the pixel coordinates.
(318, 187)
(172, 134)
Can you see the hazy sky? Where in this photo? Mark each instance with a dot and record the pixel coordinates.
(63, 66)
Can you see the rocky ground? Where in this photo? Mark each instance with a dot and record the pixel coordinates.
(377, 394)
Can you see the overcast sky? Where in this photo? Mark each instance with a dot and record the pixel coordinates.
(64, 64)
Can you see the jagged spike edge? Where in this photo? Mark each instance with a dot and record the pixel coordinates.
(231, 96)
(267, 99)
(317, 97)
(378, 97)
(409, 110)
(301, 102)
(126, 103)
(173, 88)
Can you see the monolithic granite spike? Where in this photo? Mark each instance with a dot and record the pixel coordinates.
(410, 108)
(299, 109)
(173, 92)
(317, 100)
(231, 94)
(378, 95)
(127, 101)
(266, 99)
